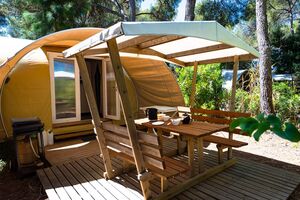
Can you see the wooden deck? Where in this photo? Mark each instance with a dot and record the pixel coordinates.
(82, 178)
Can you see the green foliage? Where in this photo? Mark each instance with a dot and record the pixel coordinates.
(286, 50)
(285, 98)
(35, 18)
(226, 12)
(160, 11)
(286, 101)
(261, 123)
(209, 92)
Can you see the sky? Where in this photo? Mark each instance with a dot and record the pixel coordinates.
(181, 8)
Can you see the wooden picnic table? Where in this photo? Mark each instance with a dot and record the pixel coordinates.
(194, 131)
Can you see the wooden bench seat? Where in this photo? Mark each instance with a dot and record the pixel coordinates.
(118, 143)
(224, 141)
(220, 117)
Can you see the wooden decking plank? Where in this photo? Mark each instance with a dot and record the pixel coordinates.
(274, 178)
(119, 184)
(226, 188)
(263, 178)
(93, 192)
(272, 171)
(51, 193)
(97, 175)
(86, 172)
(119, 189)
(197, 193)
(268, 175)
(65, 183)
(76, 184)
(254, 180)
(98, 167)
(56, 184)
(237, 187)
(129, 179)
(217, 192)
(254, 187)
(209, 191)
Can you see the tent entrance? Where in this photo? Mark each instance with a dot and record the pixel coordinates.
(95, 72)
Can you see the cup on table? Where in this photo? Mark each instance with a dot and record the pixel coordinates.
(161, 116)
(166, 118)
(176, 121)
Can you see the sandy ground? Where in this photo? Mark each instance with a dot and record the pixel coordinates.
(270, 146)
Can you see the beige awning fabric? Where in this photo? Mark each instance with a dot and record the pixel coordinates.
(182, 43)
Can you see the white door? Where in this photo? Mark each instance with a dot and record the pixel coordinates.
(65, 88)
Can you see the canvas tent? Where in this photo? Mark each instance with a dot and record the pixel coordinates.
(183, 43)
(25, 78)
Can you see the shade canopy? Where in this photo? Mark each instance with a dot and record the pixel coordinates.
(182, 43)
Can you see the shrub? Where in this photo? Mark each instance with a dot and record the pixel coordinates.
(209, 92)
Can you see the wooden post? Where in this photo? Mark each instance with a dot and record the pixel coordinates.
(232, 98)
(234, 79)
(192, 97)
(95, 115)
(132, 133)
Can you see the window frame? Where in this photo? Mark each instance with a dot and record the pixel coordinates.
(51, 57)
(118, 103)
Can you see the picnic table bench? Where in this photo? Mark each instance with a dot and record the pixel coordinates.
(119, 145)
(220, 117)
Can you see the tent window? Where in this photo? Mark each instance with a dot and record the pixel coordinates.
(111, 95)
(65, 89)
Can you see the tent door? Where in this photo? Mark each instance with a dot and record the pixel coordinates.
(94, 67)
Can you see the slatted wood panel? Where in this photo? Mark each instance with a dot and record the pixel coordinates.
(83, 178)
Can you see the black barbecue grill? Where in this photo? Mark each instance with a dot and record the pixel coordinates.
(24, 129)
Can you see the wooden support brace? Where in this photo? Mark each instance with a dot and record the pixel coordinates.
(164, 184)
(229, 152)
(220, 153)
(95, 115)
(234, 80)
(194, 81)
(200, 154)
(128, 116)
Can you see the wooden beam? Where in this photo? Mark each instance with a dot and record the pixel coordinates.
(158, 41)
(128, 43)
(91, 52)
(199, 50)
(223, 60)
(233, 87)
(151, 52)
(192, 98)
(95, 114)
(137, 41)
(125, 102)
(172, 192)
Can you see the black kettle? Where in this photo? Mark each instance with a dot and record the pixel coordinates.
(151, 113)
(186, 118)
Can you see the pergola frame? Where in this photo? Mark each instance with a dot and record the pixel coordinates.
(142, 43)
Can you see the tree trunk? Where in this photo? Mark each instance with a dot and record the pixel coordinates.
(132, 10)
(190, 10)
(266, 104)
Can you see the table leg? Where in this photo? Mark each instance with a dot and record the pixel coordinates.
(160, 138)
(200, 154)
(191, 154)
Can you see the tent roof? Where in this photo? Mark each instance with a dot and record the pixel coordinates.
(182, 43)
